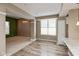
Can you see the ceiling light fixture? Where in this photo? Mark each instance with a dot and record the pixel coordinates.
(24, 21)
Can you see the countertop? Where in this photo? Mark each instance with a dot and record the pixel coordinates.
(73, 46)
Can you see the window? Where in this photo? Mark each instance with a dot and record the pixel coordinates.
(7, 27)
(48, 26)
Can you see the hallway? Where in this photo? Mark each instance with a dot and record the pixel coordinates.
(42, 48)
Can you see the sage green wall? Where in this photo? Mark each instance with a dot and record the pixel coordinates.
(13, 26)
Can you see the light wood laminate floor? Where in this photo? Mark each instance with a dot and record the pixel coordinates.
(42, 48)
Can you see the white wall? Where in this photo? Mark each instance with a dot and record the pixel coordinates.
(2, 30)
(61, 31)
(2, 35)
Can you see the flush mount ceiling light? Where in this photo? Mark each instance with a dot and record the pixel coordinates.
(78, 19)
(24, 21)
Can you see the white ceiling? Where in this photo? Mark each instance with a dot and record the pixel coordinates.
(66, 7)
(42, 9)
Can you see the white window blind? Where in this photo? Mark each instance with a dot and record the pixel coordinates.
(48, 26)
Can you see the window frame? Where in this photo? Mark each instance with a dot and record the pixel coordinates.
(49, 27)
(8, 28)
